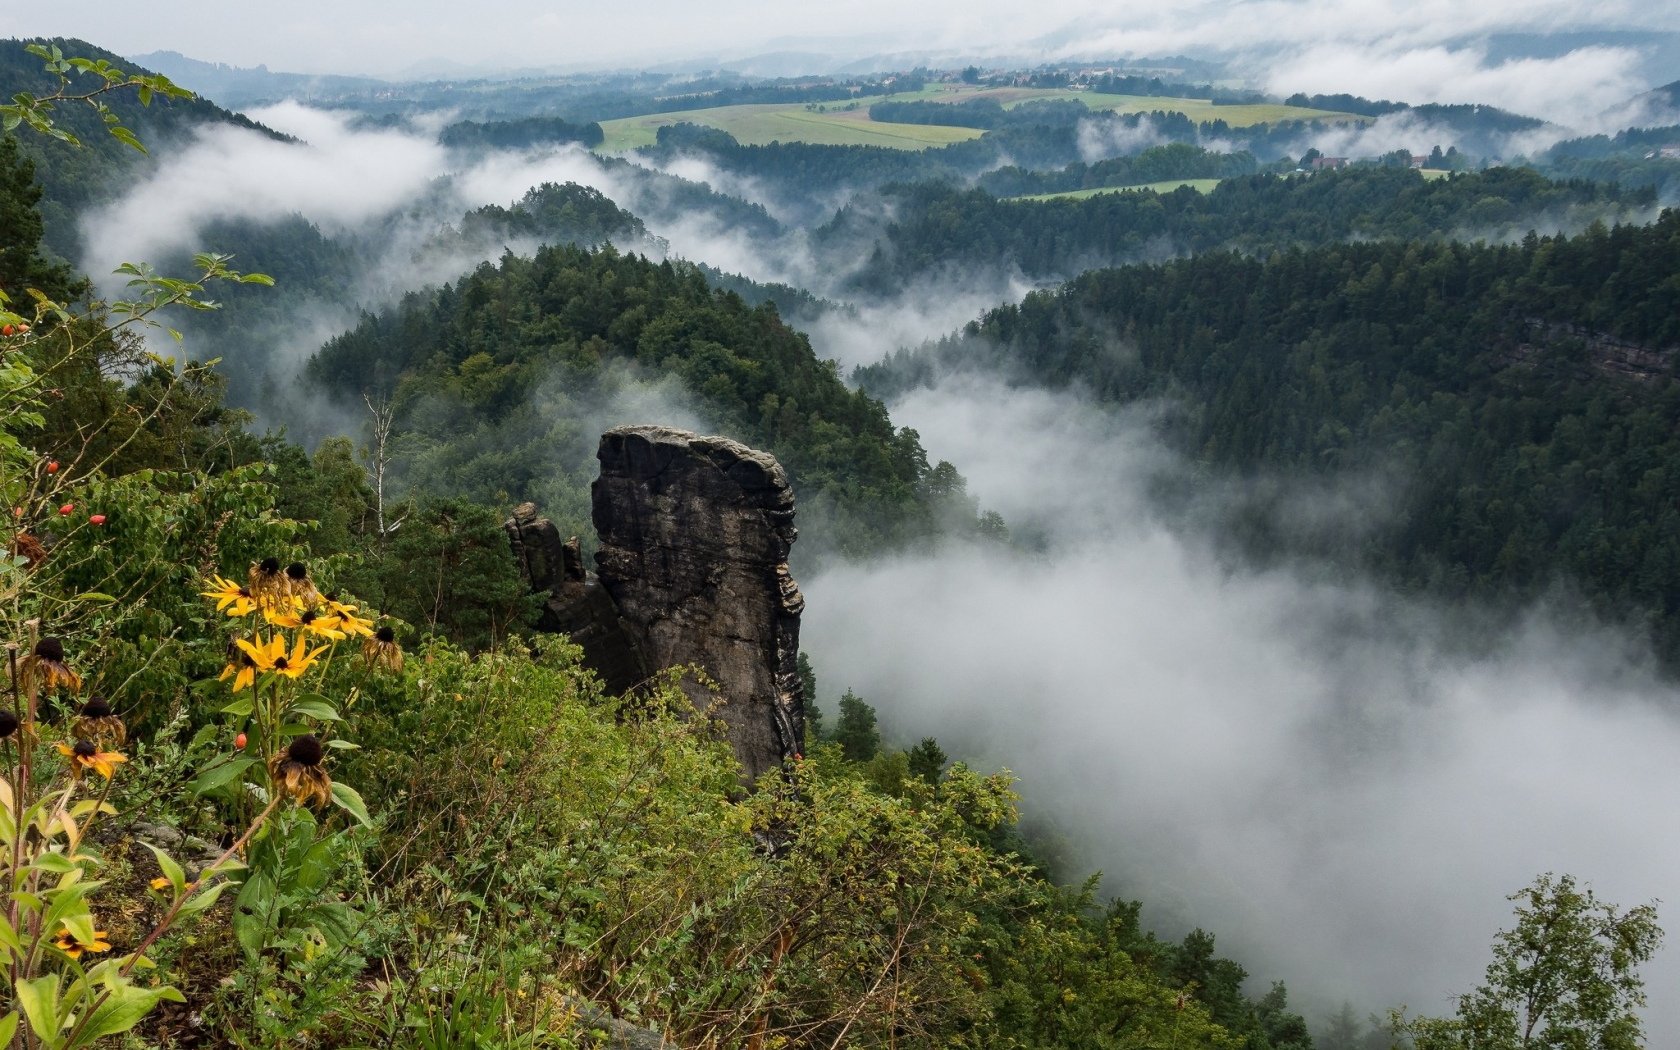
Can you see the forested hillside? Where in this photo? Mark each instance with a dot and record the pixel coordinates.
(1523, 398)
(76, 177)
(938, 227)
(500, 382)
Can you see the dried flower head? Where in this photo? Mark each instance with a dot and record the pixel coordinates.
(299, 585)
(45, 668)
(380, 649)
(28, 548)
(98, 723)
(297, 771)
(86, 755)
(8, 724)
(267, 582)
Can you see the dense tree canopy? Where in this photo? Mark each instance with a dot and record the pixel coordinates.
(938, 226)
(1524, 396)
(500, 378)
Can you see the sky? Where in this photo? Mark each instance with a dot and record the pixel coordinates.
(1429, 50)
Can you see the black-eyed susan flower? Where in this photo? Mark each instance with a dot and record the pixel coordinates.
(348, 621)
(272, 656)
(45, 666)
(229, 595)
(319, 624)
(96, 722)
(86, 755)
(354, 626)
(380, 649)
(297, 771)
(67, 943)
(241, 668)
(299, 585)
(267, 582)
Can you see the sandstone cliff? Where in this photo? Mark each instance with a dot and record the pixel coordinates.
(694, 539)
(695, 533)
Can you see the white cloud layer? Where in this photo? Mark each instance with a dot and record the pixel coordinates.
(1311, 770)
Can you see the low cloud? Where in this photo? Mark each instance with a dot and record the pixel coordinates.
(1572, 89)
(1323, 773)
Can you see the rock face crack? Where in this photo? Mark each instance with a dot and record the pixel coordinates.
(695, 533)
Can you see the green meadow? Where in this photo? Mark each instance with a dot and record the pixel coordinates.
(760, 124)
(833, 123)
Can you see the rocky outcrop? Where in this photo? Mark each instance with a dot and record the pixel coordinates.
(577, 604)
(694, 539)
(1568, 348)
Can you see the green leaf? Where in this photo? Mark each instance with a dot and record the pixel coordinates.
(39, 999)
(57, 863)
(295, 729)
(95, 596)
(250, 911)
(124, 1008)
(8, 1027)
(171, 870)
(240, 707)
(200, 901)
(349, 799)
(314, 705)
(217, 776)
(343, 745)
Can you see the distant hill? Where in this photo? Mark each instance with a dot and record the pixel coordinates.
(233, 86)
(75, 178)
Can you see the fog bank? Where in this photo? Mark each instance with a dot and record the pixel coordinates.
(1314, 771)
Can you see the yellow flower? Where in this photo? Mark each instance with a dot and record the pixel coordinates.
(67, 943)
(85, 755)
(161, 884)
(241, 668)
(229, 595)
(355, 625)
(273, 657)
(321, 625)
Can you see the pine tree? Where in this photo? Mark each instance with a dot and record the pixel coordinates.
(855, 731)
(927, 760)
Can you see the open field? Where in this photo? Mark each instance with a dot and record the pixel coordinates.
(757, 125)
(848, 123)
(1197, 109)
(1199, 185)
